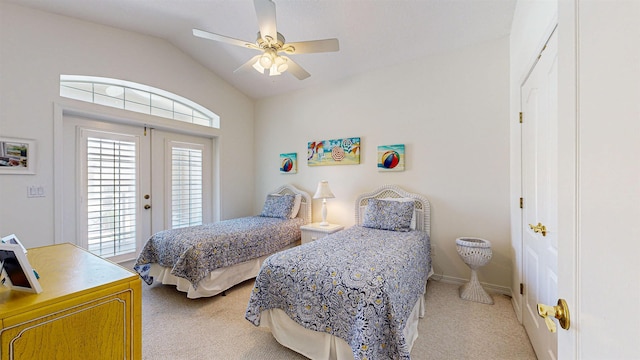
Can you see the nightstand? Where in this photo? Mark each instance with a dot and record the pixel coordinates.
(315, 231)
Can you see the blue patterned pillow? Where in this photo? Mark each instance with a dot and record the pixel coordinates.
(388, 215)
(278, 206)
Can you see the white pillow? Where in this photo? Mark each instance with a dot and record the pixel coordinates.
(413, 218)
(296, 206)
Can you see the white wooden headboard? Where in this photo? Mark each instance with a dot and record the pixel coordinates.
(305, 204)
(422, 206)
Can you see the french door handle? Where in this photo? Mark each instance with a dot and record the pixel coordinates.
(147, 206)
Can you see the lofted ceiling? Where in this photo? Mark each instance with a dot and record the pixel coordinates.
(373, 34)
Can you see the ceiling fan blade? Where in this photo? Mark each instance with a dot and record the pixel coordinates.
(248, 65)
(297, 70)
(314, 46)
(266, 12)
(216, 37)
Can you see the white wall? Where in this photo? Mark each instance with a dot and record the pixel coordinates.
(36, 47)
(601, 89)
(451, 111)
(532, 25)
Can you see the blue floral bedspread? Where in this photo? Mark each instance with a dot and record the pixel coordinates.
(359, 284)
(193, 252)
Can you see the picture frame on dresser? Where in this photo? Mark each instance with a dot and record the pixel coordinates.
(17, 273)
(13, 239)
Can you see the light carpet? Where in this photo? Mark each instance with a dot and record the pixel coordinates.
(174, 327)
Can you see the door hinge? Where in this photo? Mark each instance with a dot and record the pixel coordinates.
(520, 117)
(521, 203)
(521, 289)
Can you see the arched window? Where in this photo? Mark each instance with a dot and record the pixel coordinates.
(135, 97)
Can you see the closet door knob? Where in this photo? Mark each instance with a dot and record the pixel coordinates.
(539, 229)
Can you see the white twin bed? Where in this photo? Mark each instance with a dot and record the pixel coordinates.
(208, 259)
(357, 293)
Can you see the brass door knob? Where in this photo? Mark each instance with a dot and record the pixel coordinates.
(560, 312)
(539, 229)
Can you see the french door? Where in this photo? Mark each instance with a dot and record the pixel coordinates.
(123, 183)
(113, 172)
(181, 180)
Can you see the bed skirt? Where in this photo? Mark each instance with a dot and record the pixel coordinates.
(218, 281)
(319, 345)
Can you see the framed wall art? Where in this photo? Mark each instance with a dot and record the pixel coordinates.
(289, 163)
(391, 157)
(344, 151)
(17, 156)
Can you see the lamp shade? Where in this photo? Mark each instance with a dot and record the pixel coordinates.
(323, 191)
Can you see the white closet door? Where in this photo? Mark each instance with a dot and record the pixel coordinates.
(540, 194)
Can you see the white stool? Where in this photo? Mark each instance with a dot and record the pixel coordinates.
(475, 252)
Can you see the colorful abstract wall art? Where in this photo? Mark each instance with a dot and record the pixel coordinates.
(391, 157)
(289, 163)
(344, 151)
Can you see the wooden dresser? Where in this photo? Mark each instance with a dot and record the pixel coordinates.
(89, 308)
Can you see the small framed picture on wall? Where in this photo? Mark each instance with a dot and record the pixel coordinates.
(17, 156)
(289, 163)
(391, 157)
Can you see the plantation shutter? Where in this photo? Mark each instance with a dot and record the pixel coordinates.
(111, 196)
(186, 186)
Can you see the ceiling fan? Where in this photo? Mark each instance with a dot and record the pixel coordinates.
(273, 45)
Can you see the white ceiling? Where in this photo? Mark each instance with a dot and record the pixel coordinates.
(373, 34)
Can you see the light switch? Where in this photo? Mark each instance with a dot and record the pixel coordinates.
(35, 191)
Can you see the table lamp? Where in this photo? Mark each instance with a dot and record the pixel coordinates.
(323, 192)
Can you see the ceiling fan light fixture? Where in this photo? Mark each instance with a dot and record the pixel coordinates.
(267, 59)
(272, 44)
(274, 71)
(281, 64)
(258, 67)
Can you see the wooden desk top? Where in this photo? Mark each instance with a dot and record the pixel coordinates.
(66, 271)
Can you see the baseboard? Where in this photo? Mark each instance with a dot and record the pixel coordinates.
(459, 281)
(517, 308)
(127, 263)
